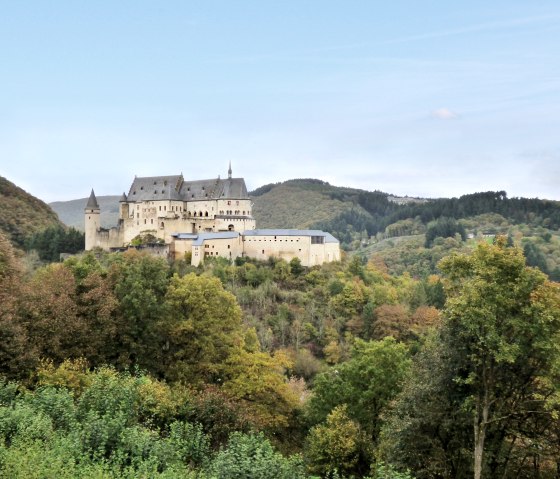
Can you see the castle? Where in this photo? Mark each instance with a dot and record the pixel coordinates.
(198, 219)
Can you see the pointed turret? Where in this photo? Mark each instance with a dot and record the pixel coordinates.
(92, 202)
(92, 222)
(123, 198)
(229, 171)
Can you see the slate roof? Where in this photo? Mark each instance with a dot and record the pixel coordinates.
(175, 188)
(92, 202)
(288, 232)
(150, 188)
(199, 238)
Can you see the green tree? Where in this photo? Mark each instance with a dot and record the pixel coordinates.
(139, 282)
(251, 455)
(365, 383)
(202, 328)
(337, 446)
(504, 323)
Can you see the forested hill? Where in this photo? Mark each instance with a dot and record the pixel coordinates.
(21, 214)
(352, 214)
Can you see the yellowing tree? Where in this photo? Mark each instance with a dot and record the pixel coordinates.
(202, 327)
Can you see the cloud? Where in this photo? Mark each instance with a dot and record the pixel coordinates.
(444, 114)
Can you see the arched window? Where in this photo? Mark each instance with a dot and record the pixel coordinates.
(231, 228)
(162, 224)
(206, 213)
(200, 213)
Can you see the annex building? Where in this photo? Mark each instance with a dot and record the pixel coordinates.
(206, 218)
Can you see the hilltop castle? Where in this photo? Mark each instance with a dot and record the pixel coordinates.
(203, 218)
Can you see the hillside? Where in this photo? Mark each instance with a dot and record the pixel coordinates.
(299, 203)
(21, 214)
(71, 213)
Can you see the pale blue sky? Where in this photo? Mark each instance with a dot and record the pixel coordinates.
(418, 98)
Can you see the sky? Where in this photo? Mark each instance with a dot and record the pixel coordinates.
(419, 98)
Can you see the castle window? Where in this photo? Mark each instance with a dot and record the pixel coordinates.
(162, 224)
(152, 221)
(162, 191)
(228, 246)
(137, 215)
(155, 183)
(134, 192)
(200, 213)
(160, 207)
(141, 187)
(144, 220)
(165, 208)
(229, 202)
(263, 251)
(206, 213)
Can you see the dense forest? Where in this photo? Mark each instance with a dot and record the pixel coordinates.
(124, 365)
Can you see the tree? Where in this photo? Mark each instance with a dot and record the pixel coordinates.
(504, 323)
(139, 282)
(202, 327)
(16, 357)
(365, 383)
(257, 380)
(252, 455)
(337, 446)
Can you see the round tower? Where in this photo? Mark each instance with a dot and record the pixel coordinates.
(92, 221)
(123, 202)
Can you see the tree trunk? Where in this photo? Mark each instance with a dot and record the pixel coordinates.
(480, 423)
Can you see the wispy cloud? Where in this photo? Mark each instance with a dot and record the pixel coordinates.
(444, 114)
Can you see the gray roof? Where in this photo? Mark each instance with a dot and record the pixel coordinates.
(287, 232)
(174, 187)
(210, 236)
(150, 188)
(185, 235)
(122, 198)
(230, 188)
(92, 202)
(199, 238)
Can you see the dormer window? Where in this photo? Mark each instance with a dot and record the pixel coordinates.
(141, 187)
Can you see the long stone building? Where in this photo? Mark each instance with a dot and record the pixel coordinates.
(206, 218)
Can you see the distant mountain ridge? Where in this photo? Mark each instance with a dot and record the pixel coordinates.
(351, 214)
(22, 214)
(71, 212)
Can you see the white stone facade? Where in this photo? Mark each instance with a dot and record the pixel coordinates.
(206, 218)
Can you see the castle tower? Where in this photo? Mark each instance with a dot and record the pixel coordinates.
(92, 221)
(123, 207)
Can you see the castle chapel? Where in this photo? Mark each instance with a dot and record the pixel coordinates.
(203, 218)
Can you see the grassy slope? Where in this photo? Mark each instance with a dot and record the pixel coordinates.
(71, 212)
(21, 214)
(300, 204)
